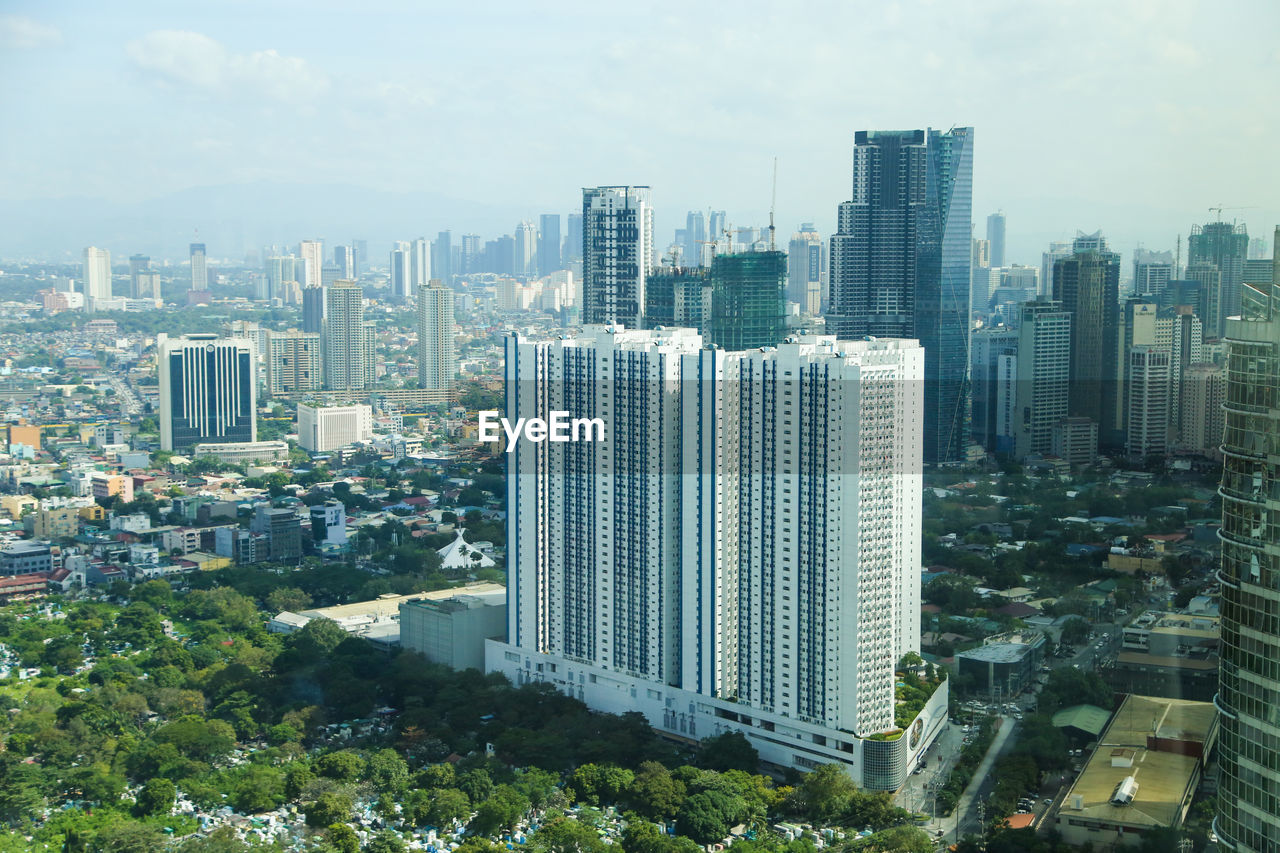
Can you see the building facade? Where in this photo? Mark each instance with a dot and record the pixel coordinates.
(678, 296)
(293, 363)
(344, 338)
(325, 428)
(900, 264)
(748, 300)
(96, 282)
(1225, 247)
(805, 269)
(208, 391)
(1087, 283)
(199, 268)
(1042, 382)
(617, 254)
(437, 361)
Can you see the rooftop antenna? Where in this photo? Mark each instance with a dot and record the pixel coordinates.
(773, 203)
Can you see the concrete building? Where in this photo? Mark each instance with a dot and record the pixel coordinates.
(618, 254)
(311, 258)
(208, 391)
(453, 631)
(1200, 421)
(1041, 377)
(54, 524)
(111, 486)
(325, 428)
(293, 363)
(329, 525)
(344, 337)
(283, 530)
(244, 451)
(96, 280)
(25, 557)
(199, 268)
(1004, 665)
(805, 269)
(755, 604)
(437, 359)
(1087, 283)
(1147, 402)
(993, 374)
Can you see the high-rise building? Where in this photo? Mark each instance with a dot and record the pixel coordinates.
(1225, 246)
(313, 309)
(1152, 272)
(617, 245)
(139, 265)
(695, 236)
(293, 362)
(526, 237)
(361, 250)
(471, 258)
(441, 258)
(199, 268)
(399, 273)
(747, 559)
(1087, 283)
(573, 239)
(678, 297)
(548, 244)
(1040, 399)
(208, 391)
(979, 275)
(900, 264)
(344, 258)
(1200, 418)
(748, 300)
(1058, 249)
(325, 428)
(993, 359)
(96, 276)
(311, 254)
(804, 269)
(420, 264)
(344, 338)
(281, 269)
(437, 362)
(995, 238)
(1147, 402)
(1249, 686)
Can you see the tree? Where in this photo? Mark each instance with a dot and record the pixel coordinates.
(825, 794)
(288, 598)
(342, 838)
(328, 808)
(388, 772)
(563, 835)
(447, 806)
(900, 839)
(385, 841)
(126, 836)
(317, 639)
(706, 816)
(476, 784)
(600, 784)
(729, 751)
(655, 793)
(1075, 631)
(297, 776)
(499, 812)
(156, 797)
(343, 765)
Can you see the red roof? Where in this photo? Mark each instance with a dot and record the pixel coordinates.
(1020, 821)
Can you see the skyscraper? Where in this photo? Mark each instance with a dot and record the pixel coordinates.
(399, 272)
(1249, 684)
(313, 309)
(1225, 246)
(1041, 386)
(1087, 283)
(344, 338)
(139, 265)
(1152, 272)
(420, 265)
(1147, 402)
(199, 268)
(900, 264)
(208, 391)
(471, 259)
(280, 269)
(678, 296)
(1058, 249)
(344, 258)
(695, 235)
(437, 364)
(804, 270)
(311, 253)
(995, 238)
(711, 574)
(293, 363)
(993, 362)
(573, 239)
(441, 258)
(748, 301)
(548, 244)
(617, 245)
(96, 276)
(526, 237)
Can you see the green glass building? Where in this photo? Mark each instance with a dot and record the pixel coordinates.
(748, 301)
(677, 297)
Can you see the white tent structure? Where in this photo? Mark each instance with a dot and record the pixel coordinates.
(458, 554)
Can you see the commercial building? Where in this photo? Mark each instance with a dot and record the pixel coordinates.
(325, 428)
(199, 268)
(1041, 382)
(618, 254)
(1168, 654)
(805, 269)
(56, 523)
(243, 451)
(900, 264)
(452, 631)
(1004, 665)
(437, 360)
(96, 281)
(1249, 689)
(678, 297)
(208, 391)
(344, 338)
(398, 272)
(748, 300)
(329, 525)
(1087, 283)
(283, 530)
(1142, 775)
(1147, 404)
(1204, 390)
(993, 371)
(25, 557)
(1152, 272)
(747, 558)
(311, 256)
(1224, 246)
(548, 244)
(995, 238)
(103, 485)
(293, 362)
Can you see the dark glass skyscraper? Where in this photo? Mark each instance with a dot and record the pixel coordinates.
(900, 263)
(548, 243)
(748, 300)
(1225, 246)
(1087, 283)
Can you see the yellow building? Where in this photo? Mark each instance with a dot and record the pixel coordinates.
(12, 505)
(60, 523)
(93, 513)
(27, 434)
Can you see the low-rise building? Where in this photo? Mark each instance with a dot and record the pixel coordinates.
(26, 557)
(452, 631)
(325, 428)
(244, 451)
(1005, 664)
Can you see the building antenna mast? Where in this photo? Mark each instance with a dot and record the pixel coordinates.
(773, 203)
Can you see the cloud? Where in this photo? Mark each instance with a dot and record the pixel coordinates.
(25, 33)
(195, 60)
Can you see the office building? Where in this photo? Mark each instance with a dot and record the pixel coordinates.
(293, 363)
(679, 297)
(1075, 441)
(311, 255)
(1256, 270)
(139, 265)
(979, 275)
(1058, 250)
(1200, 416)
(1004, 665)
(1087, 283)
(452, 631)
(993, 371)
(617, 245)
(344, 338)
(526, 247)
(329, 524)
(1224, 246)
(716, 577)
(804, 270)
(695, 236)
(1204, 281)
(313, 309)
(96, 283)
(1249, 685)
(748, 300)
(995, 238)
(344, 258)
(1147, 402)
(1042, 371)
(398, 273)
(548, 244)
(573, 239)
(420, 265)
(283, 530)
(199, 268)
(25, 557)
(281, 269)
(208, 391)
(325, 428)
(900, 264)
(1152, 272)
(440, 259)
(437, 361)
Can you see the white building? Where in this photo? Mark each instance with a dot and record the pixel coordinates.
(199, 268)
(744, 555)
(1204, 389)
(345, 338)
(97, 276)
(1043, 365)
(617, 254)
(1147, 402)
(437, 362)
(329, 524)
(293, 362)
(325, 428)
(311, 254)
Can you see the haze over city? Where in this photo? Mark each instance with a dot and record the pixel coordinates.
(134, 125)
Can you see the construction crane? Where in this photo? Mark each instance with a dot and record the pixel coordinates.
(773, 203)
(1221, 208)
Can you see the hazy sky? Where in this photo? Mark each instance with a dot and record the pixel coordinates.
(1130, 117)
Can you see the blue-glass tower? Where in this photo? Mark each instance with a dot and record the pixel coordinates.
(900, 263)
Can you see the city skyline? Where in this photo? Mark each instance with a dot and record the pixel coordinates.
(231, 81)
